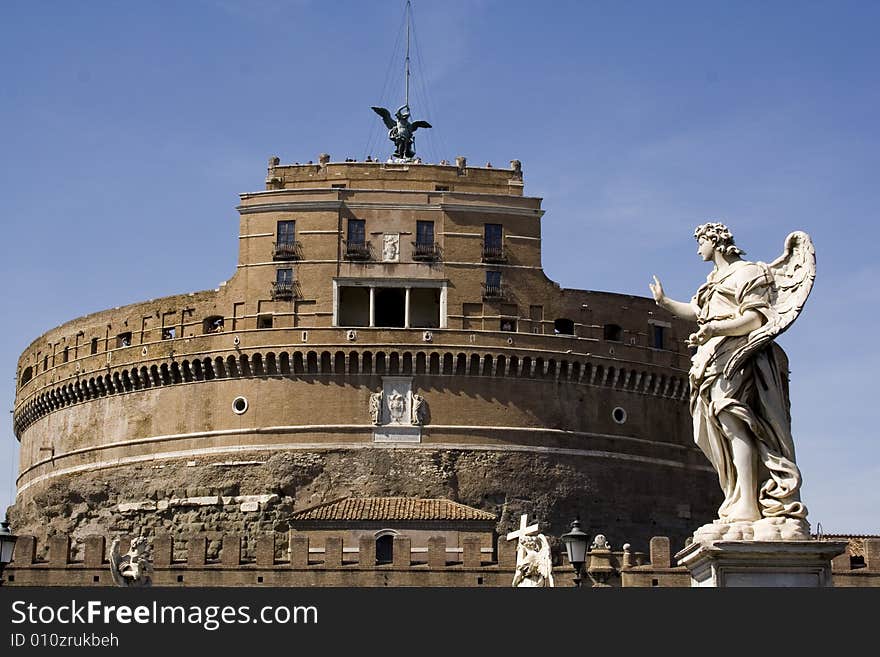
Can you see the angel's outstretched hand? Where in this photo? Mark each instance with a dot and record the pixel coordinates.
(657, 290)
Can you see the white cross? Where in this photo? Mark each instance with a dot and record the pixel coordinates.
(523, 529)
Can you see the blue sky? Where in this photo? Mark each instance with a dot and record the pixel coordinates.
(128, 129)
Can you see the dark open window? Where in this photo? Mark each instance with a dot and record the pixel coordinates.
(94, 346)
(612, 332)
(123, 339)
(385, 549)
(264, 321)
(66, 354)
(657, 335)
(27, 375)
(212, 324)
(563, 326)
(390, 307)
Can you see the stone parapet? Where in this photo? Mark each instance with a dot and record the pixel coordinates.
(336, 565)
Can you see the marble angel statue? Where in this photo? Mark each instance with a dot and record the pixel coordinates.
(132, 568)
(534, 567)
(739, 383)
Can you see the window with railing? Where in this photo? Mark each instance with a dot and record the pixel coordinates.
(493, 243)
(425, 248)
(286, 247)
(284, 286)
(356, 246)
(492, 287)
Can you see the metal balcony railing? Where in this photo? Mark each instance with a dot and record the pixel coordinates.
(285, 290)
(286, 250)
(493, 291)
(494, 253)
(426, 251)
(357, 250)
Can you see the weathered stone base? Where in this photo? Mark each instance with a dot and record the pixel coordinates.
(255, 493)
(728, 564)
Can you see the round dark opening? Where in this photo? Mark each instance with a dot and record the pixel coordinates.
(239, 405)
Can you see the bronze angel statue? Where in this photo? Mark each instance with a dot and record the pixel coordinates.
(400, 130)
(739, 382)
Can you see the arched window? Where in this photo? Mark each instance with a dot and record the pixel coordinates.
(613, 333)
(27, 375)
(385, 547)
(212, 324)
(563, 326)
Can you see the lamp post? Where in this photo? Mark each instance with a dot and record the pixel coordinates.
(7, 545)
(576, 547)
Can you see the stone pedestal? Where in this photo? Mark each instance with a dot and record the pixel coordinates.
(727, 564)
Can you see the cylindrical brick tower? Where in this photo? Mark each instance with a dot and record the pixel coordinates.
(389, 331)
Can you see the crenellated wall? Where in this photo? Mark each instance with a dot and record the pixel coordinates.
(292, 560)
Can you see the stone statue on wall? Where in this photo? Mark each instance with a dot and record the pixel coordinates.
(396, 407)
(739, 383)
(132, 568)
(418, 409)
(376, 407)
(534, 567)
(400, 131)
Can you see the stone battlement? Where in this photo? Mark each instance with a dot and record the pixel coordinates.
(414, 176)
(292, 560)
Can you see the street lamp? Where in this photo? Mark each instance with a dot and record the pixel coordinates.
(7, 545)
(576, 547)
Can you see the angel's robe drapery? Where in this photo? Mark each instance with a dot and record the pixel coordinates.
(756, 393)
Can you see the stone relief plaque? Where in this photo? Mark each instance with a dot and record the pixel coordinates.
(395, 412)
(391, 247)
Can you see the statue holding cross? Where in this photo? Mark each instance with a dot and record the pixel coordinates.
(534, 567)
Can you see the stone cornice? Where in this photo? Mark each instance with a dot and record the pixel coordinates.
(337, 204)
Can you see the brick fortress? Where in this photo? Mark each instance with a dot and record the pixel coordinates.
(389, 332)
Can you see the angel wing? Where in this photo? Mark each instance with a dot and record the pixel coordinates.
(386, 116)
(793, 274)
(115, 562)
(415, 125)
(545, 562)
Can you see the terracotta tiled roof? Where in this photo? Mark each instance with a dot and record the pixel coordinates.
(392, 508)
